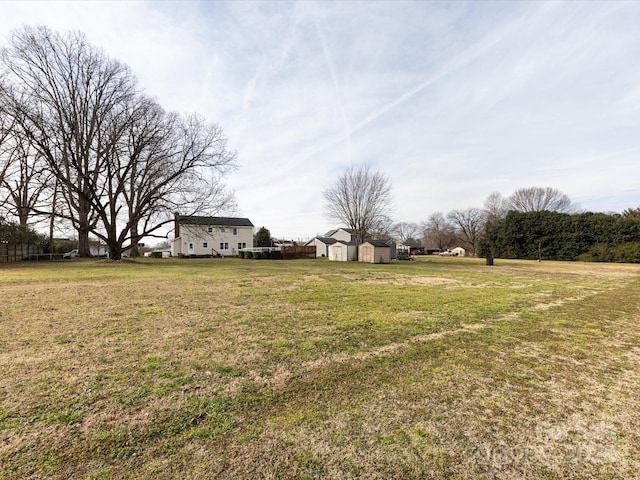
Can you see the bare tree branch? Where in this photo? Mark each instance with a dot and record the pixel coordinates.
(538, 199)
(360, 199)
(469, 225)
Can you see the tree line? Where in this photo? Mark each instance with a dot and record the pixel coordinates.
(82, 145)
(531, 223)
(546, 235)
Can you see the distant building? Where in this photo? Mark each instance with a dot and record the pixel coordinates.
(323, 243)
(211, 236)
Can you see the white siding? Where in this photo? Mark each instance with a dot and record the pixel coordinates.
(341, 252)
(321, 247)
(220, 241)
(341, 235)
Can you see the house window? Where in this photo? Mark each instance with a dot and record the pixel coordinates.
(205, 244)
(221, 246)
(224, 246)
(209, 229)
(239, 245)
(235, 231)
(221, 229)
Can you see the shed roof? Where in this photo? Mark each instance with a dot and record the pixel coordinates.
(377, 243)
(325, 240)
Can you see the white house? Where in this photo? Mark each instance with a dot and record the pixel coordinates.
(458, 252)
(343, 251)
(211, 236)
(342, 234)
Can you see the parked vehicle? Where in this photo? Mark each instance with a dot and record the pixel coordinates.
(71, 255)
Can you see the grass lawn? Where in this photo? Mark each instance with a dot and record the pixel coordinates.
(225, 368)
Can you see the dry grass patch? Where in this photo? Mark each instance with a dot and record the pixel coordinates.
(441, 368)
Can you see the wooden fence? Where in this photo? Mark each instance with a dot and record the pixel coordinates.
(298, 251)
(16, 253)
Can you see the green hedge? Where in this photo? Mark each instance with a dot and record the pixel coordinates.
(628, 252)
(273, 255)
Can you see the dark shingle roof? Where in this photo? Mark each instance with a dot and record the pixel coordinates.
(378, 243)
(326, 240)
(214, 221)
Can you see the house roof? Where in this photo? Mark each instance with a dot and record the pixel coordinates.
(350, 231)
(325, 240)
(215, 221)
(343, 242)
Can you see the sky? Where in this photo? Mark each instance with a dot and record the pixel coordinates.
(450, 100)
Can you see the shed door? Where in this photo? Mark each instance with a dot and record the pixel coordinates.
(191, 249)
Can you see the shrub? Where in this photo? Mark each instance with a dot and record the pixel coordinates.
(257, 255)
(600, 252)
(627, 253)
(248, 254)
(156, 255)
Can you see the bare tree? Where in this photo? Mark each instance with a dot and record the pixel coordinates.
(63, 91)
(166, 163)
(121, 164)
(26, 180)
(7, 125)
(496, 206)
(406, 232)
(538, 199)
(382, 230)
(360, 199)
(439, 232)
(469, 225)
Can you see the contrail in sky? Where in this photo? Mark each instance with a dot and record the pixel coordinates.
(345, 121)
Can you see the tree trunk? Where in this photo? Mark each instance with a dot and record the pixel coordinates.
(135, 239)
(84, 249)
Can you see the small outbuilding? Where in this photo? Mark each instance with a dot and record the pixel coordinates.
(343, 252)
(374, 251)
(458, 252)
(322, 245)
